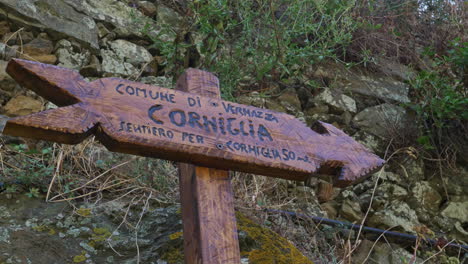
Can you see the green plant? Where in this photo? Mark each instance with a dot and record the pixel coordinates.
(33, 167)
(33, 193)
(440, 96)
(11, 189)
(269, 40)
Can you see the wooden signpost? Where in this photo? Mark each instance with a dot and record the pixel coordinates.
(190, 124)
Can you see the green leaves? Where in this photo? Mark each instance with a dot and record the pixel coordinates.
(440, 96)
(268, 39)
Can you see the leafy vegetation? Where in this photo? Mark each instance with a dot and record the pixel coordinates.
(269, 40)
(32, 170)
(440, 96)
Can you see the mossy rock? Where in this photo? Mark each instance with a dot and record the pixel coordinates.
(258, 244)
(269, 246)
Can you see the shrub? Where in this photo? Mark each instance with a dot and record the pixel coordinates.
(441, 99)
(269, 39)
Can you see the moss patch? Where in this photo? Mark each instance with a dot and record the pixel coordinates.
(80, 258)
(272, 247)
(174, 255)
(84, 212)
(175, 235)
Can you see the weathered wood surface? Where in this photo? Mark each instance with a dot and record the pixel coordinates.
(146, 120)
(210, 230)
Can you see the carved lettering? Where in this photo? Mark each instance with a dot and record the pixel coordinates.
(144, 93)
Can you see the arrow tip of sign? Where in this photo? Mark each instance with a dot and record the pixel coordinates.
(59, 85)
(3, 120)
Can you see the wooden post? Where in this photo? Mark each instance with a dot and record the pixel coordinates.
(210, 231)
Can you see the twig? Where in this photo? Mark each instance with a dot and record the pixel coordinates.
(57, 170)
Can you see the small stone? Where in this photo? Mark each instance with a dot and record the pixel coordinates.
(351, 210)
(325, 192)
(8, 52)
(74, 232)
(43, 36)
(389, 190)
(459, 228)
(369, 141)
(88, 248)
(412, 169)
(4, 28)
(161, 81)
(273, 105)
(130, 52)
(38, 46)
(68, 58)
(17, 38)
(290, 100)
(47, 59)
(362, 251)
(456, 210)
(426, 197)
(330, 208)
(383, 120)
(103, 31)
(396, 214)
(147, 8)
(167, 16)
(92, 69)
(336, 100)
(26, 37)
(317, 109)
(3, 75)
(112, 64)
(22, 105)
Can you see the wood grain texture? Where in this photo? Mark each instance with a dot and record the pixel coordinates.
(210, 230)
(151, 121)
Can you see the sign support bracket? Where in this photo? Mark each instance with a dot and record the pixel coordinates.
(209, 222)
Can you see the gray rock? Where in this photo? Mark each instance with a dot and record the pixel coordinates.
(369, 141)
(3, 75)
(126, 20)
(147, 8)
(396, 214)
(457, 210)
(68, 58)
(92, 69)
(54, 16)
(384, 88)
(426, 197)
(357, 82)
(168, 17)
(351, 210)
(39, 46)
(3, 120)
(112, 64)
(385, 253)
(382, 120)
(8, 52)
(339, 102)
(391, 191)
(124, 58)
(394, 69)
(130, 52)
(290, 100)
(161, 81)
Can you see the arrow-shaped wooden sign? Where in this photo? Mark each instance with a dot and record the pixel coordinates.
(136, 118)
